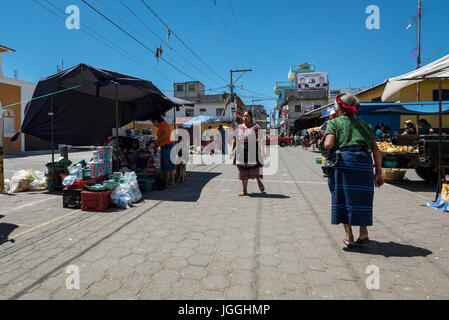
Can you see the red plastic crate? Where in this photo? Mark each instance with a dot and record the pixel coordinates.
(95, 201)
(79, 184)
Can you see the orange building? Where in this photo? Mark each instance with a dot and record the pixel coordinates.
(12, 91)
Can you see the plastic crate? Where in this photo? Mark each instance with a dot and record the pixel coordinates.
(95, 201)
(72, 198)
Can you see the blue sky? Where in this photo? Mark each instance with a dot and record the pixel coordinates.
(270, 36)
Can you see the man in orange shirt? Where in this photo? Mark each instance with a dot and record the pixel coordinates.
(168, 165)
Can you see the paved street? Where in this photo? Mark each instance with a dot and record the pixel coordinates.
(202, 241)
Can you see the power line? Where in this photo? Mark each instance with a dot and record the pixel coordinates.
(167, 44)
(138, 41)
(105, 41)
(227, 31)
(125, 22)
(238, 32)
(254, 86)
(216, 32)
(179, 38)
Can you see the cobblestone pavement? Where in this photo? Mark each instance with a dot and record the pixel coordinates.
(202, 241)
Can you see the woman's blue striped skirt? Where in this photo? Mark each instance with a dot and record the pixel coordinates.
(352, 187)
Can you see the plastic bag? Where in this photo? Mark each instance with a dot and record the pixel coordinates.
(24, 180)
(69, 180)
(39, 181)
(134, 191)
(7, 186)
(121, 197)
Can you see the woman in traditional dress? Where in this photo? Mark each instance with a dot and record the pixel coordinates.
(248, 156)
(352, 180)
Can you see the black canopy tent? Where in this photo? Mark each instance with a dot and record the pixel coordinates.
(98, 101)
(308, 120)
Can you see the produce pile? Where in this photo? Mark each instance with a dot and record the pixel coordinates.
(390, 147)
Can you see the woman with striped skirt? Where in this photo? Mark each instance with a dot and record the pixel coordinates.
(352, 180)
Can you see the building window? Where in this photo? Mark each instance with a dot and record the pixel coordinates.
(219, 111)
(298, 108)
(179, 88)
(192, 87)
(202, 111)
(190, 112)
(7, 123)
(444, 93)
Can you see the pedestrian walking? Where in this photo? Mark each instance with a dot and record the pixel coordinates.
(350, 168)
(296, 138)
(305, 142)
(248, 153)
(223, 138)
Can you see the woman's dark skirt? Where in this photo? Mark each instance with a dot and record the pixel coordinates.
(352, 187)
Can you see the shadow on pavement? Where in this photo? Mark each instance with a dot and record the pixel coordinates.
(5, 230)
(188, 191)
(415, 186)
(390, 249)
(11, 155)
(268, 195)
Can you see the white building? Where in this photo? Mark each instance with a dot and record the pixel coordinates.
(213, 105)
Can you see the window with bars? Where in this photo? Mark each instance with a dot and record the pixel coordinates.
(190, 112)
(219, 111)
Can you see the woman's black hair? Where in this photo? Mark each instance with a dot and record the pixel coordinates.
(424, 121)
(378, 126)
(250, 113)
(156, 118)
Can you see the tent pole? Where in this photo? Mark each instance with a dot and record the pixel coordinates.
(440, 134)
(52, 125)
(116, 112)
(174, 119)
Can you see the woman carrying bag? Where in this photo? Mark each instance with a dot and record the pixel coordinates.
(350, 168)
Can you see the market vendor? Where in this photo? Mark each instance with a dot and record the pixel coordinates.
(164, 142)
(379, 130)
(424, 127)
(130, 156)
(409, 128)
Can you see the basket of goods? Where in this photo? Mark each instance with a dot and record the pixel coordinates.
(393, 175)
(391, 148)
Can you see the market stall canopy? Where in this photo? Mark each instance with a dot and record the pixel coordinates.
(180, 102)
(395, 109)
(309, 120)
(85, 113)
(201, 119)
(436, 70)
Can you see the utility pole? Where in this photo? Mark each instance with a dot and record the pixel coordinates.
(231, 85)
(418, 85)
